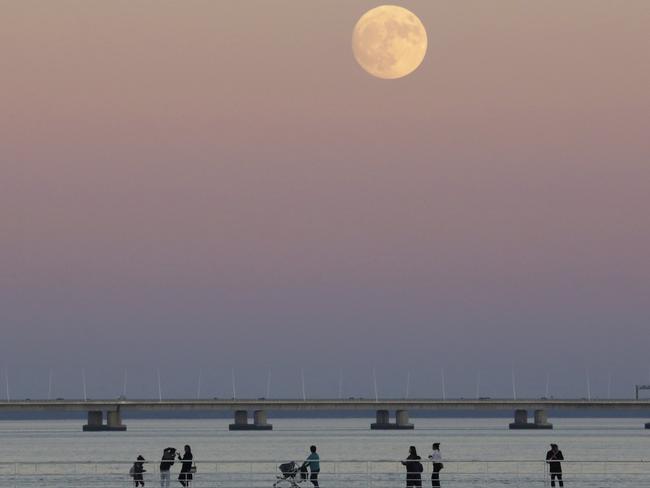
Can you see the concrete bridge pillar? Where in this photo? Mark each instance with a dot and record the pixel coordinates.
(383, 421)
(259, 421)
(114, 419)
(521, 420)
(521, 416)
(96, 421)
(402, 419)
(541, 420)
(241, 420)
(383, 417)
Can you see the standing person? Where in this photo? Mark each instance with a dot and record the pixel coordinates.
(167, 462)
(413, 468)
(436, 458)
(553, 458)
(313, 462)
(185, 476)
(136, 472)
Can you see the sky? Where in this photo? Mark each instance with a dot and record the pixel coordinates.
(217, 185)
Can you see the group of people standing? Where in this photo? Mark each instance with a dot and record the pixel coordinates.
(412, 463)
(169, 457)
(414, 467)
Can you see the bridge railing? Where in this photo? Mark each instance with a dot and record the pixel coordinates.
(334, 474)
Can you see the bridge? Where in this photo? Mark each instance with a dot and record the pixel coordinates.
(241, 408)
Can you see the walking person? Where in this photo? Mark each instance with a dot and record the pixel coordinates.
(553, 458)
(313, 462)
(165, 465)
(185, 477)
(413, 468)
(136, 472)
(436, 459)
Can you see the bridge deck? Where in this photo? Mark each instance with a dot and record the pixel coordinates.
(323, 404)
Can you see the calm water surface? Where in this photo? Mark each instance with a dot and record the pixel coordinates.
(461, 440)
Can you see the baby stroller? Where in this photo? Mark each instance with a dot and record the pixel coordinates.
(288, 472)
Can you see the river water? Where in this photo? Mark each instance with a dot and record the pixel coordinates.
(476, 452)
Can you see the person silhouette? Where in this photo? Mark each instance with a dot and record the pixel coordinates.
(136, 472)
(313, 462)
(413, 468)
(165, 465)
(553, 458)
(185, 477)
(436, 459)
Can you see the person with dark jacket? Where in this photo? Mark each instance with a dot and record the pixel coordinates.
(553, 458)
(136, 472)
(413, 468)
(185, 476)
(167, 462)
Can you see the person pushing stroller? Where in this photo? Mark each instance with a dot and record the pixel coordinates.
(313, 463)
(293, 474)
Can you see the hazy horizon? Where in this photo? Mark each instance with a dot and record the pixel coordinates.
(215, 185)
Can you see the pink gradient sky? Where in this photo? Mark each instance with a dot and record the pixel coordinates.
(218, 184)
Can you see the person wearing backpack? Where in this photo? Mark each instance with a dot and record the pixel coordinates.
(413, 468)
(136, 472)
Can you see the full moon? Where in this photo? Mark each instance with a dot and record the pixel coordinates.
(389, 41)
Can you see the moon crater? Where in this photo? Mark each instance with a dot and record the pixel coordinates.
(389, 42)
